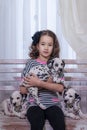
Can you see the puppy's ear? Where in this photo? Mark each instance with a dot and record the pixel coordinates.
(77, 96)
(11, 99)
(65, 90)
(50, 63)
(63, 63)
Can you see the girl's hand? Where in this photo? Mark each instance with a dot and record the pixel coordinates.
(50, 80)
(32, 81)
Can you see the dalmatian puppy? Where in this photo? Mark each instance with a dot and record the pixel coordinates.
(56, 69)
(42, 72)
(16, 105)
(71, 104)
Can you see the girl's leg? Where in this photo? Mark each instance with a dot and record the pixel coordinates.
(35, 116)
(55, 116)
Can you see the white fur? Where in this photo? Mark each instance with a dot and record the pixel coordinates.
(56, 69)
(10, 105)
(42, 72)
(71, 105)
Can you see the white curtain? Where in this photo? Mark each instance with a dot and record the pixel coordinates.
(73, 15)
(19, 19)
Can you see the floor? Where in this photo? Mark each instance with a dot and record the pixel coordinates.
(14, 123)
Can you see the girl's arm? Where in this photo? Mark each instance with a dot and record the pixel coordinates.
(23, 89)
(51, 86)
(35, 81)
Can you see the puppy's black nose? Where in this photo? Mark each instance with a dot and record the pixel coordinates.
(56, 65)
(65, 101)
(60, 69)
(14, 104)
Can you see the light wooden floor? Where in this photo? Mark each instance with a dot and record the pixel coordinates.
(14, 123)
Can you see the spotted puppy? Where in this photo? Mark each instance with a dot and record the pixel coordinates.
(16, 105)
(43, 73)
(56, 69)
(71, 104)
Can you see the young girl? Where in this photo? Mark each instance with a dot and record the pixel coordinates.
(45, 46)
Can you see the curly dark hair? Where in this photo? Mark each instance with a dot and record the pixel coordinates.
(36, 38)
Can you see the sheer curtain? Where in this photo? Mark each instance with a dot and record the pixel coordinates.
(11, 29)
(19, 19)
(74, 25)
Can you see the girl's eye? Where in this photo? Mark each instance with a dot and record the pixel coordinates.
(42, 43)
(50, 44)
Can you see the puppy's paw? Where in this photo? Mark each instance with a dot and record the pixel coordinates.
(8, 114)
(11, 114)
(73, 116)
(22, 117)
(76, 118)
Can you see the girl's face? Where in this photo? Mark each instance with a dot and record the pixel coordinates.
(45, 47)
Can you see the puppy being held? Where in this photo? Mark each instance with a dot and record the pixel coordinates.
(16, 105)
(41, 72)
(56, 69)
(71, 104)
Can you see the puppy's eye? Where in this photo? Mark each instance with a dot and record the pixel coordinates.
(18, 97)
(56, 65)
(70, 96)
(11, 98)
(62, 64)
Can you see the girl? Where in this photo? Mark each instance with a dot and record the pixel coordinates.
(45, 46)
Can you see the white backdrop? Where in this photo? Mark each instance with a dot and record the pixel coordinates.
(19, 19)
(74, 25)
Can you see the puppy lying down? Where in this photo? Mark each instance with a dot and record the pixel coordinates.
(16, 105)
(71, 104)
